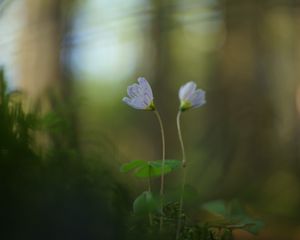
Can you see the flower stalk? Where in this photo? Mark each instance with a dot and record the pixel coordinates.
(162, 179)
(180, 137)
(179, 223)
(140, 97)
(190, 97)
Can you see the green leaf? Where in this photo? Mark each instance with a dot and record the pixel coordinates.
(238, 215)
(156, 168)
(252, 226)
(216, 207)
(132, 165)
(151, 170)
(145, 203)
(173, 164)
(236, 211)
(143, 172)
(234, 216)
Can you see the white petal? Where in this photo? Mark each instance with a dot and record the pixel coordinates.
(133, 90)
(140, 95)
(146, 87)
(186, 91)
(198, 98)
(138, 103)
(127, 100)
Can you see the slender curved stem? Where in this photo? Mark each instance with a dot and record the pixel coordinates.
(162, 179)
(183, 177)
(180, 138)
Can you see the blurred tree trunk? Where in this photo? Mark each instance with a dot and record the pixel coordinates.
(161, 45)
(40, 46)
(240, 112)
(43, 76)
(255, 84)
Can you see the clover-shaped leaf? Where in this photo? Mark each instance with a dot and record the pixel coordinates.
(233, 215)
(145, 203)
(126, 167)
(143, 169)
(216, 207)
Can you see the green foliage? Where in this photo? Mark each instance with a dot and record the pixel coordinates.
(52, 122)
(197, 232)
(232, 216)
(143, 169)
(145, 203)
(58, 195)
(132, 165)
(15, 124)
(140, 228)
(216, 207)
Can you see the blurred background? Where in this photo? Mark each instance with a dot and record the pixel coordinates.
(73, 60)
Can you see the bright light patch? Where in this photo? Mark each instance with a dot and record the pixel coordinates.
(106, 45)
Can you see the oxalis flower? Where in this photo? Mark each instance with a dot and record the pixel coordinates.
(140, 95)
(190, 97)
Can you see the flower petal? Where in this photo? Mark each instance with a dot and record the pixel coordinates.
(146, 87)
(136, 102)
(198, 98)
(133, 90)
(127, 101)
(140, 95)
(186, 91)
(139, 103)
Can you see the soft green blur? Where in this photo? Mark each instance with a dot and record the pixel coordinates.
(76, 58)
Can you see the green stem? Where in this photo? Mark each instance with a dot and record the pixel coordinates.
(162, 179)
(180, 138)
(179, 223)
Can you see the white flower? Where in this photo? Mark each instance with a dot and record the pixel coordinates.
(190, 97)
(140, 95)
